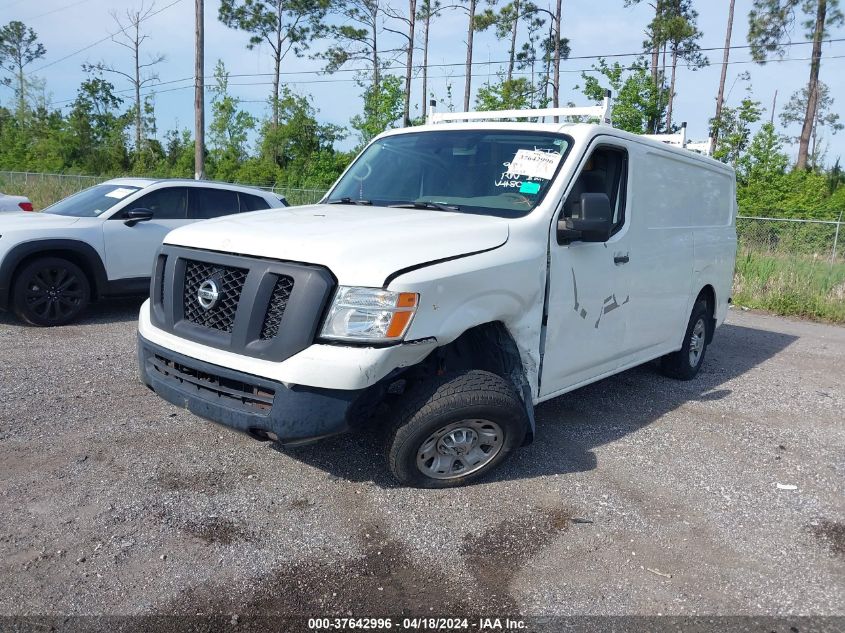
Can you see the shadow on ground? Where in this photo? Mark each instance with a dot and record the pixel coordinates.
(119, 310)
(571, 426)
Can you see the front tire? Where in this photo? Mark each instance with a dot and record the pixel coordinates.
(687, 361)
(50, 291)
(455, 429)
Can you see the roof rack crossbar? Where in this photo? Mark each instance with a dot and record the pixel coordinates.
(601, 112)
(679, 139)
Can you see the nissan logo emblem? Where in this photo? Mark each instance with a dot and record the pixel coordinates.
(208, 294)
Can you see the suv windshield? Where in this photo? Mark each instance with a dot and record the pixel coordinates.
(91, 202)
(492, 172)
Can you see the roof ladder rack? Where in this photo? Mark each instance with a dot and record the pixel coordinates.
(601, 112)
(679, 139)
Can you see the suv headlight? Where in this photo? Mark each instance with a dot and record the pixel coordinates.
(369, 315)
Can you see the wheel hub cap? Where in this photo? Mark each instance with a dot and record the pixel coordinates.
(457, 442)
(460, 448)
(696, 347)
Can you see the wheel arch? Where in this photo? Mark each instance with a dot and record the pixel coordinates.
(82, 254)
(708, 293)
(488, 346)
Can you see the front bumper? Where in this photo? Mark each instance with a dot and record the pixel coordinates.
(322, 365)
(292, 413)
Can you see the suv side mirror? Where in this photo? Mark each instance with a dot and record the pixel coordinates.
(595, 222)
(133, 216)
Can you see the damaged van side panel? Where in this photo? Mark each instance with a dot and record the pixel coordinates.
(503, 285)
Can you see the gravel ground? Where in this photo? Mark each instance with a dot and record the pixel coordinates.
(641, 495)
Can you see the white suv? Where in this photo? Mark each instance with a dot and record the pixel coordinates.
(455, 276)
(101, 242)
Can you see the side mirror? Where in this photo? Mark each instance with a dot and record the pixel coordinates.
(133, 216)
(595, 222)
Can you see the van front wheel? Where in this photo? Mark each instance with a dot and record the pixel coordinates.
(455, 429)
(686, 362)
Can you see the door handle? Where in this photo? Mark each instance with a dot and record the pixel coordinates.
(620, 259)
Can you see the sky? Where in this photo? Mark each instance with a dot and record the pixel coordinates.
(594, 27)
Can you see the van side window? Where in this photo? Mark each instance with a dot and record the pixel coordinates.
(606, 171)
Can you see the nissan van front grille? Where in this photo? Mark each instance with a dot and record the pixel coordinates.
(252, 306)
(276, 307)
(221, 285)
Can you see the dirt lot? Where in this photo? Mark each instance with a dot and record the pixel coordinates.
(641, 495)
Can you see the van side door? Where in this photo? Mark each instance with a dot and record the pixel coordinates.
(668, 190)
(589, 285)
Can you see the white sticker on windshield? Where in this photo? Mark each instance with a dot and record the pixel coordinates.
(119, 193)
(535, 163)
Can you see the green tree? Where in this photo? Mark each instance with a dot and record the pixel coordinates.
(229, 129)
(356, 39)
(636, 102)
(19, 47)
(382, 108)
(734, 128)
(765, 158)
(682, 38)
(770, 23)
(823, 117)
(95, 135)
(506, 94)
(178, 160)
(299, 152)
(655, 42)
(284, 25)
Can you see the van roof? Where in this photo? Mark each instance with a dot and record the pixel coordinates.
(582, 133)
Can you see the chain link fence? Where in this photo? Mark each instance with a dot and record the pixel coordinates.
(813, 239)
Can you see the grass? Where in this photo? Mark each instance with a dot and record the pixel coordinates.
(790, 285)
(43, 192)
(779, 280)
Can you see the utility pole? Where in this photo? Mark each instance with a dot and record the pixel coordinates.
(556, 86)
(199, 93)
(720, 98)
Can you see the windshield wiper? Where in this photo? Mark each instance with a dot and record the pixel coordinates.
(350, 201)
(425, 204)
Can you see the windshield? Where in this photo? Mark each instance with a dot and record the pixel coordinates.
(491, 172)
(91, 202)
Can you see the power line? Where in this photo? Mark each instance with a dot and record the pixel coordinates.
(154, 92)
(56, 10)
(440, 65)
(505, 61)
(476, 63)
(524, 74)
(100, 41)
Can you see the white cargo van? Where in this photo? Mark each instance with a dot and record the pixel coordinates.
(460, 273)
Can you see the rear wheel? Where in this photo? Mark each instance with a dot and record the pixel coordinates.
(50, 291)
(455, 429)
(686, 362)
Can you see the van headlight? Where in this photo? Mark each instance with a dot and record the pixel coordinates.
(369, 315)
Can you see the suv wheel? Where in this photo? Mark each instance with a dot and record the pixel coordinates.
(686, 362)
(455, 429)
(50, 291)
